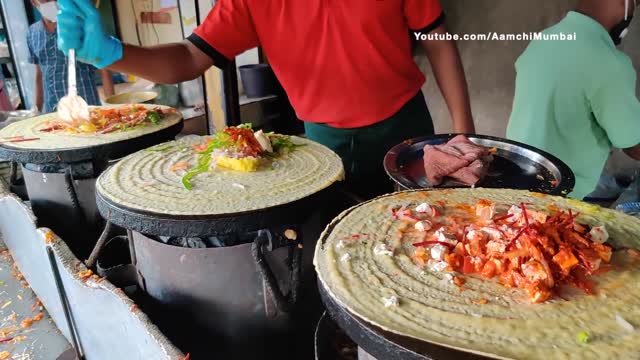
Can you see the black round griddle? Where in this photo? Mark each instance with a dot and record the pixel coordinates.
(515, 166)
(108, 151)
(383, 344)
(151, 223)
(376, 341)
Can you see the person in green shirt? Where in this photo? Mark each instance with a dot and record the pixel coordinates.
(577, 99)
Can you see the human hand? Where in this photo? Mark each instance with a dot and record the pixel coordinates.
(80, 28)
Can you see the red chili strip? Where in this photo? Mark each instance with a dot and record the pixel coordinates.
(503, 217)
(19, 140)
(433, 242)
(513, 241)
(6, 340)
(524, 213)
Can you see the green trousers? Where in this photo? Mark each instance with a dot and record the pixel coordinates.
(363, 149)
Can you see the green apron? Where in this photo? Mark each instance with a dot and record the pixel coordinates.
(363, 149)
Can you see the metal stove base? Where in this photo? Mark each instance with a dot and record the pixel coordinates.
(363, 355)
(63, 198)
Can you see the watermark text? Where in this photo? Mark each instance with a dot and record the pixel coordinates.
(494, 36)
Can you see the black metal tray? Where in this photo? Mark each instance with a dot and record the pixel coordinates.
(109, 151)
(515, 166)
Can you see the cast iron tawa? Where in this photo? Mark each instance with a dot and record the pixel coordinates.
(383, 344)
(109, 151)
(151, 223)
(515, 166)
(380, 343)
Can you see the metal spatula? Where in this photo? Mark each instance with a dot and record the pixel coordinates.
(73, 108)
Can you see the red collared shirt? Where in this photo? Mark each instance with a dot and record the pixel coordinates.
(346, 63)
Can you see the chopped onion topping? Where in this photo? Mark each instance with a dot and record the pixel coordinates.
(624, 323)
(442, 236)
(448, 278)
(438, 266)
(239, 186)
(346, 257)
(438, 252)
(423, 208)
(423, 226)
(382, 250)
(599, 234)
(391, 301)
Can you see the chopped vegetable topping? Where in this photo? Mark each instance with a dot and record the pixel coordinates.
(238, 148)
(391, 301)
(382, 250)
(108, 120)
(583, 337)
(159, 148)
(525, 248)
(624, 323)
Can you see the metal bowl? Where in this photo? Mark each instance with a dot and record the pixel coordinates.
(137, 97)
(515, 166)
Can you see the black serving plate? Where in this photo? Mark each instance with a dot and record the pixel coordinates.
(515, 166)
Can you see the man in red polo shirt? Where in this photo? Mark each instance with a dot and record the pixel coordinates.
(346, 66)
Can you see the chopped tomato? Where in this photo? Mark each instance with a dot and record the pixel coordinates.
(506, 279)
(478, 263)
(454, 260)
(468, 267)
(476, 246)
(200, 147)
(489, 270)
(181, 165)
(604, 251)
(459, 249)
(459, 281)
(565, 260)
(519, 280)
(420, 256)
(537, 292)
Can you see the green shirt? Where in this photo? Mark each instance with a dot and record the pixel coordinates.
(576, 99)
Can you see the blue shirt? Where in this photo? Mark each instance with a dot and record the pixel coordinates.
(43, 51)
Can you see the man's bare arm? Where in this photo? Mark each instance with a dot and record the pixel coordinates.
(107, 83)
(633, 152)
(39, 89)
(165, 64)
(449, 73)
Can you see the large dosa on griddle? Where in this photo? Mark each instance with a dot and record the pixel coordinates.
(508, 326)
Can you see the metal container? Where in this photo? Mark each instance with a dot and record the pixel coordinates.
(233, 293)
(61, 184)
(138, 97)
(63, 198)
(515, 166)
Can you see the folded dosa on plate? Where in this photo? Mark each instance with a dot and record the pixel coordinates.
(364, 261)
